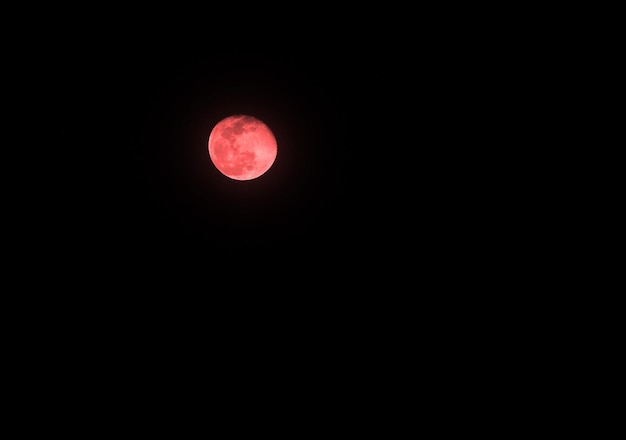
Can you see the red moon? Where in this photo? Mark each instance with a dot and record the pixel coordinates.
(242, 147)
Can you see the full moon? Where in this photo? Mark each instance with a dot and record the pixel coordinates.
(242, 147)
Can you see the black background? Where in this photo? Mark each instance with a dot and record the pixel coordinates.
(369, 171)
(390, 267)
(379, 243)
(389, 174)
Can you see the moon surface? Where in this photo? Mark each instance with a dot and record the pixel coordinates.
(242, 147)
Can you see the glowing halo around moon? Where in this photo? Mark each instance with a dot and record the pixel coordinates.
(242, 147)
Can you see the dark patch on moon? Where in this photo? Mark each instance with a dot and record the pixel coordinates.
(228, 133)
(238, 127)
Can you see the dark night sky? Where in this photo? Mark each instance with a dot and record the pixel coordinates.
(379, 177)
(139, 111)
(363, 263)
